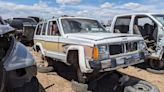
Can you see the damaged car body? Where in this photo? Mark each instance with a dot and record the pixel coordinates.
(151, 27)
(25, 28)
(85, 44)
(17, 65)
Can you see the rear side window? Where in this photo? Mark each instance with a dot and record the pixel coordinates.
(122, 24)
(39, 29)
(44, 29)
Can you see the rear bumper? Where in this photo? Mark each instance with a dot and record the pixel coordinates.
(118, 62)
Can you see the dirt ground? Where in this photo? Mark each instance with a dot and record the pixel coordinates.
(60, 81)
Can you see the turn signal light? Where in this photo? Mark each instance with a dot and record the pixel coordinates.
(95, 53)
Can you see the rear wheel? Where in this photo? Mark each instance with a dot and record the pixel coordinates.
(43, 69)
(45, 65)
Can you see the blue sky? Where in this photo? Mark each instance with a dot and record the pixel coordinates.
(99, 9)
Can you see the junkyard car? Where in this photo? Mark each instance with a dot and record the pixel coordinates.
(151, 27)
(25, 28)
(17, 66)
(85, 44)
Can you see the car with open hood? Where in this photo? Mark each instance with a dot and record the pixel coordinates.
(86, 45)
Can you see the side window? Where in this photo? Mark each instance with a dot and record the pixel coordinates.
(146, 27)
(44, 29)
(39, 28)
(53, 29)
(143, 24)
(122, 24)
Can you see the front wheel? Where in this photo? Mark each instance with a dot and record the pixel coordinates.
(155, 64)
(81, 78)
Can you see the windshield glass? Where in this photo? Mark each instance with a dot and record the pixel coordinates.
(160, 18)
(81, 26)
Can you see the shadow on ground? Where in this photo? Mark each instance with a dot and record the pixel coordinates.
(41, 88)
(144, 65)
(108, 83)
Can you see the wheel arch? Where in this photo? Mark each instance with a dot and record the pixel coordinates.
(38, 47)
(83, 65)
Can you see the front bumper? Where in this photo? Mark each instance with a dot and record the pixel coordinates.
(19, 77)
(118, 62)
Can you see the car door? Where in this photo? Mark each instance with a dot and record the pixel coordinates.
(43, 35)
(122, 24)
(52, 39)
(38, 36)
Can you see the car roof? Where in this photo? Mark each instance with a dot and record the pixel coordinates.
(139, 14)
(5, 29)
(70, 17)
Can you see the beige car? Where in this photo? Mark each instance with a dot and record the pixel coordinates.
(85, 44)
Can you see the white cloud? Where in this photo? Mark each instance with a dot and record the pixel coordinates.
(68, 1)
(41, 9)
(106, 5)
(132, 5)
(104, 11)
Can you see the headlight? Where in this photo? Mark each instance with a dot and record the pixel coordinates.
(101, 52)
(142, 45)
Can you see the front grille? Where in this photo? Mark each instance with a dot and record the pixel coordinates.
(116, 49)
(122, 48)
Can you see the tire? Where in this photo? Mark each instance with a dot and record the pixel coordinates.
(74, 59)
(141, 86)
(155, 71)
(43, 69)
(156, 64)
(80, 76)
(32, 86)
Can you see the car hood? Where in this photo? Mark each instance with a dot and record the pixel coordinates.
(5, 29)
(98, 36)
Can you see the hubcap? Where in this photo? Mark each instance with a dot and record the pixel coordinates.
(142, 87)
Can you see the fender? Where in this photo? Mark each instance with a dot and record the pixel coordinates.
(161, 54)
(41, 48)
(82, 62)
(19, 57)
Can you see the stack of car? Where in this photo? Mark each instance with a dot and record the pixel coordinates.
(84, 44)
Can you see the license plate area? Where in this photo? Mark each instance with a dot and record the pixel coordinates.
(127, 59)
(120, 61)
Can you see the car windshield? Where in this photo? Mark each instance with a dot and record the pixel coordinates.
(160, 18)
(81, 26)
(24, 20)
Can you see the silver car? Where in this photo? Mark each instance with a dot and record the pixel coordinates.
(17, 65)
